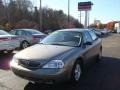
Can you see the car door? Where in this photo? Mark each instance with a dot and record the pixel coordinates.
(14, 41)
(96, 43)
(87, 48)
(27, 36)
(19, 34)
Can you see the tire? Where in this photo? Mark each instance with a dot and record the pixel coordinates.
(76, 72)
(1, 52)
(99, 56)
(24, 44)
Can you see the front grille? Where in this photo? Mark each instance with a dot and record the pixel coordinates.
(29, 64)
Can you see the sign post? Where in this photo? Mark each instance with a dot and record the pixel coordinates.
(41, 15)
(80, 16)
(86, 19)
(69, 13)
(85, 6)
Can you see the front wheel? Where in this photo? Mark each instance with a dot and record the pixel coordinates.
(76, 72)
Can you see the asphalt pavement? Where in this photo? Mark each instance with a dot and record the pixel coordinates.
(104, 75)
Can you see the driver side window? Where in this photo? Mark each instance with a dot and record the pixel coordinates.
(87, 37)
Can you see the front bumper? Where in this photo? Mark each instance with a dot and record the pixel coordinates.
(40, 75)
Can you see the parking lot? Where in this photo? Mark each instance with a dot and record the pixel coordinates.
(104, 75)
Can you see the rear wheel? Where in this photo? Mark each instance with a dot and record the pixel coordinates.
(76, 72)
(24, 44)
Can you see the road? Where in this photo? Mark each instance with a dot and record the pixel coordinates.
(104, 75)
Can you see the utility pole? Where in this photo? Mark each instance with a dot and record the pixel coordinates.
(68, 13)
(86, 19)
(40, 14)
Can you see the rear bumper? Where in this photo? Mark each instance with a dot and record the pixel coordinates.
(8, 47)
(40, 75)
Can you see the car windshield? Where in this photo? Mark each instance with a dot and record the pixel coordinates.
(65, 38)
(3, 32)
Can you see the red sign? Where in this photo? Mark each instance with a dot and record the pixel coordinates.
(82, 6)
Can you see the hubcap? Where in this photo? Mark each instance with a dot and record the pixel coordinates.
(25, 45)
(77, 72)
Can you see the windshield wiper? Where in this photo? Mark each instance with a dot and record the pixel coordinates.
(59, 44)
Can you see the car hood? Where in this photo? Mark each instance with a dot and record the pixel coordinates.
(42, 52)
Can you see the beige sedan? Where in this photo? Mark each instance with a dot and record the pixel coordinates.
(59, 57)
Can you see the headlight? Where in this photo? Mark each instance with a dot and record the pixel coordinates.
(15, 60)
(54, 64)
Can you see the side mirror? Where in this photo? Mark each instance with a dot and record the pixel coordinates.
(88, 43)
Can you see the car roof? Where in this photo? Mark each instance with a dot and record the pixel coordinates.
(26, 29)
(71, 29)
(75, 29)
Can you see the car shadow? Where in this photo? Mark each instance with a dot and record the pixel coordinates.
(103, 75)
(5, 60)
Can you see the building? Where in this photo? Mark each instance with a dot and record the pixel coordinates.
(117, 26)
(97, 22)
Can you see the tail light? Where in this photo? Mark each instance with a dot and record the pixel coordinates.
(14, 38)
(4, 39)
(36, 37)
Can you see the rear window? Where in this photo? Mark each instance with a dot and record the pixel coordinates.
(12, 32)
(3, 32)
(35, 32)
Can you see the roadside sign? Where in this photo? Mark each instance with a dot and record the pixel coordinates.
(84, 6)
